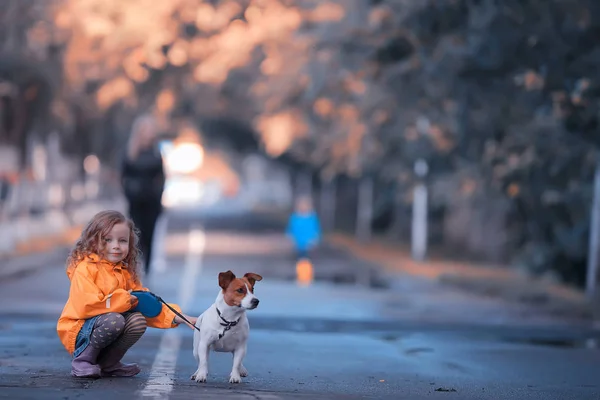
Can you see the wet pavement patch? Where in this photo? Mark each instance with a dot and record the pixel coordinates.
(255, 223)
(390, 338)
(566, 343)
(418, 350)
(370, 280)
(386, 330)
(441, 389)
(338, 268)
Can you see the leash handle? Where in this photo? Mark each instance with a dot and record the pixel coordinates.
(178, 314)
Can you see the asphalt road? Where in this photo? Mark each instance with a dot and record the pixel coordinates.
(351, 333)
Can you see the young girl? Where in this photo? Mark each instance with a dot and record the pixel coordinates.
(97, 325)
(304, 228)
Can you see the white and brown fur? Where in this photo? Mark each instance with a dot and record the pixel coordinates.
(235, 297)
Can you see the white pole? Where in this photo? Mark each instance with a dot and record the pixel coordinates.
(593, 250)
(419, 214)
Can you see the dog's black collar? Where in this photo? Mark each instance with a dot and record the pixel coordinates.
(227, 324)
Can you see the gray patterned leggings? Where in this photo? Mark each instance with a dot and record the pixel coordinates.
(121, 330)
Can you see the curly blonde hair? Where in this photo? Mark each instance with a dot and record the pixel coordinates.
(91, 237)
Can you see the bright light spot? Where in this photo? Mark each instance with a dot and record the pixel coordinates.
(91, 164)
(92, 188)
(280, 130)
(156, 60)
(178, 54)
(185, 158)
(165, 147)
(182, 191)
(197, 241)
(323, 107)
(205, 17)
(271, 66)
(252, 14)
(56, 195)
(77, 192)
(328, 12)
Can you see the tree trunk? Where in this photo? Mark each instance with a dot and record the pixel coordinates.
(364, 210)
(328, 204)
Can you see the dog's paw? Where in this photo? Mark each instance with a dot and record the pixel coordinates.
(199, 377)
(243, 372)
(235, 378)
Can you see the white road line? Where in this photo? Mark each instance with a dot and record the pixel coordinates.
(160, 383)
(159, 259)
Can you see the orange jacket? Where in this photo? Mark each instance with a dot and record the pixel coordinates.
(98, 287)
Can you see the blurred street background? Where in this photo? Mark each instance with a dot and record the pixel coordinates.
(450, 149)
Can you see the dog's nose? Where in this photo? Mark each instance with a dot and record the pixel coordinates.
(255, 302)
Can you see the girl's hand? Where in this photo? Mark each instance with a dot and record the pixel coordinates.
(179, 320)
(133, 300)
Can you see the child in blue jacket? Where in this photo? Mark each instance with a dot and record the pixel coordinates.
(304, 227)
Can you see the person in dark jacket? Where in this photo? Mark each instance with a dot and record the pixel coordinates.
(143, 180)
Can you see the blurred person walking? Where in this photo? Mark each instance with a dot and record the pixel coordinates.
(143, 180)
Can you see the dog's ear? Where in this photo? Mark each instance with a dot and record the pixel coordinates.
(225, 279)
(252, 277)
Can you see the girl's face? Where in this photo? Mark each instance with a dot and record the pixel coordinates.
(115, 245)
(304, 206)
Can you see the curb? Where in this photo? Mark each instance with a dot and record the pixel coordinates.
(31, 255)
(42, 244)
(501, 283)
(23, 265)
(25, 258)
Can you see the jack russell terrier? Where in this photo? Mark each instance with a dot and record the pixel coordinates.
(224, 327)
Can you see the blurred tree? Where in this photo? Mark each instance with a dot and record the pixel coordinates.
(481, 89)
(25, 86)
